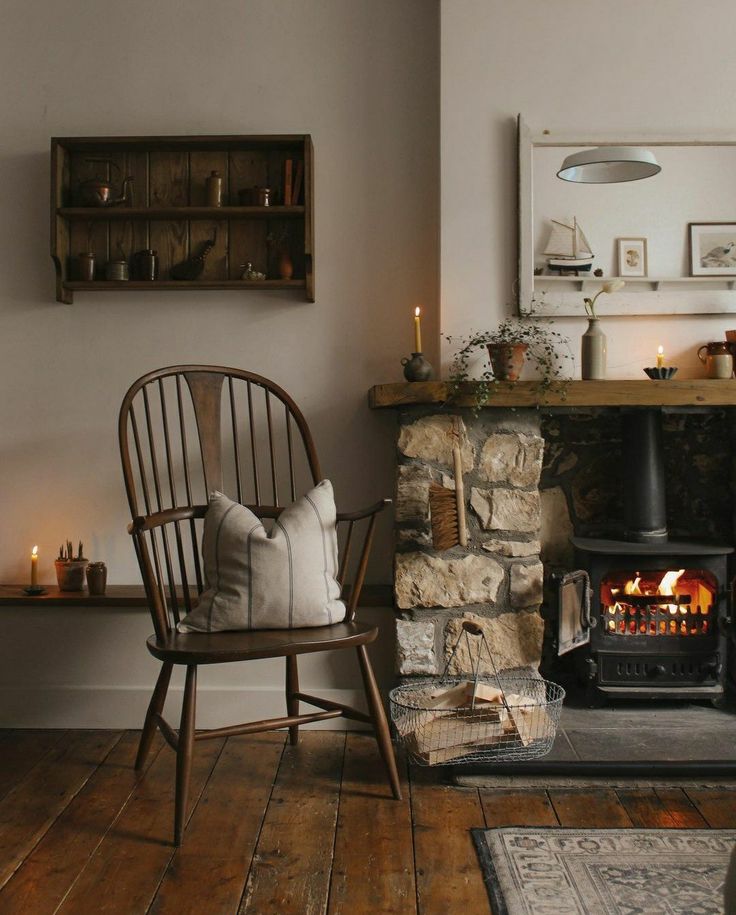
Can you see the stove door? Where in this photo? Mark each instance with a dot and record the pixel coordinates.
(574, 621)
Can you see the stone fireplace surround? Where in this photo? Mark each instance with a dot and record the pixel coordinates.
(532, 477)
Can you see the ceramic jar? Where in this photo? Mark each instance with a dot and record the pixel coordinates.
(717, 359)
(593, 352)
(417, 368)
(96, 578)
(70, 574)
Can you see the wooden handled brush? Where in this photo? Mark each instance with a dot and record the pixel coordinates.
(447, 508)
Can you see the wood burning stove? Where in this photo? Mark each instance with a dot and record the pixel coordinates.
(654, 619)
(659, 612)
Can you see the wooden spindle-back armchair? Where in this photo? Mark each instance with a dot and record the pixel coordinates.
(185, 431)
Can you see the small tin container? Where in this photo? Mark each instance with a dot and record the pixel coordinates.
(145, 265)
(117, 270)
(96, 578)
(214, 190)
(85, 267)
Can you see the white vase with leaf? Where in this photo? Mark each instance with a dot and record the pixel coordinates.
(593, 351)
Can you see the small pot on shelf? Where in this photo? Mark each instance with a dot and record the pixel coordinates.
(70, 574)
(507, 360)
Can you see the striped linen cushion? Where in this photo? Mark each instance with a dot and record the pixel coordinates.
(284, 579)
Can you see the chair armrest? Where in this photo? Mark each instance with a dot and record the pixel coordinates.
(364, 512)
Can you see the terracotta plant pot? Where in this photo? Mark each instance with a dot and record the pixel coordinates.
(70, 575)
(507, 360)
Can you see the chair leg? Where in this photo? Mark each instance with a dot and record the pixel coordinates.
(155, 707)
(292, 687)
(380, 724)
(185, 752)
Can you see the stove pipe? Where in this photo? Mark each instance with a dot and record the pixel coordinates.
(645, 510)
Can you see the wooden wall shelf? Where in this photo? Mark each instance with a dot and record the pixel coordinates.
(644, 393)
(166, 210)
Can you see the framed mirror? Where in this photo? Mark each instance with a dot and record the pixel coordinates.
(671, 237)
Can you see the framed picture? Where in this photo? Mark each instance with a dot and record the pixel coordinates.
(632, 256)
(712, 248)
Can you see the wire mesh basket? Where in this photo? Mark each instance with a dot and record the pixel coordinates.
(460, 720)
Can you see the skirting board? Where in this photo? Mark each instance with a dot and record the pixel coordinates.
(125, 707)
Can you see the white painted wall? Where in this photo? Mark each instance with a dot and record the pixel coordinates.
(361, 77)
(578, 66)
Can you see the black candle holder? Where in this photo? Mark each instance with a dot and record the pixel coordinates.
(417, 368)
(34, 590)
(661, 373)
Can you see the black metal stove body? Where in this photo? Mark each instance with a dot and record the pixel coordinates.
(645, 645)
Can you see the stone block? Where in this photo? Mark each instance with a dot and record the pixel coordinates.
(412, 492)
(557, 528)
(423, 580)
(515, 459)
(506, 509)
(431, 438)
(412, 536)
(512, 548)
(515, 639)
(526, 585)
(415, 651)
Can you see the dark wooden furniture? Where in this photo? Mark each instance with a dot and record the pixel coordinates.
(166, 210)
(181, 437)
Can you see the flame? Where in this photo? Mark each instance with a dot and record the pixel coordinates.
(34, 551)
(669, 580)
(632, 587)
(417, 311)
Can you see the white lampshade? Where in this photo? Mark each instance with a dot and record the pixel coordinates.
(609, 164)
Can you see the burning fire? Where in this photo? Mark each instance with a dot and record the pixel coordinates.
(633, 604)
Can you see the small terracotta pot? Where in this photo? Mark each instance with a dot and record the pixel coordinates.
(70, 575)
(507, 360)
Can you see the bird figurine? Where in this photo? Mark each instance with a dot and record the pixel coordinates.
(193, 267)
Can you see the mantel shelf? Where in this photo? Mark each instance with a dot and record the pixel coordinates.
(93, 214)
(583, 282)
(645, 393)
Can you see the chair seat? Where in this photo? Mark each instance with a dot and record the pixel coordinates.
(219, 647)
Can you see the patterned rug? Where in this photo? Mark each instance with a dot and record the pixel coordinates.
(559, 871)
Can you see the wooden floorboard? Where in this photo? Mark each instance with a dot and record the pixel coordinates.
(447, 873)
(124, 873)
(223, 831)
(649, 809)
(373, 869)
(311, 830)
(514, 807)
(19, 753)
(46, 875)
(28, 811)
(594, 809)
(717, 806)
(291, 868)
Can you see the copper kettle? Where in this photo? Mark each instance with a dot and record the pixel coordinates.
(98, 192)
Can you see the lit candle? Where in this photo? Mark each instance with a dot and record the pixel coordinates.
(660, 357)
(417, 330)
(34, 567)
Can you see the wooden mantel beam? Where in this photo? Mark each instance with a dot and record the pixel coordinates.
(698, 392)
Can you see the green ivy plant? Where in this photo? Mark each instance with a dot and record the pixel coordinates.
(547, 349)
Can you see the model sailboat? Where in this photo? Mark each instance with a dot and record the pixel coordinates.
(568, 249)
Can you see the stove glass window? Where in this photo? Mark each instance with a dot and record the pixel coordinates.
(664, 602)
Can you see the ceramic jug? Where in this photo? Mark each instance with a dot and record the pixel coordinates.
(717, 359)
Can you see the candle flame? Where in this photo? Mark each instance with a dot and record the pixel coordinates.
(660, 350)
(34, 551)
(417, 311)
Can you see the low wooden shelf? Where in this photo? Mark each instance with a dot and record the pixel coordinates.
(216, 213)
(134, 596)
(644, 393)
(131, 285)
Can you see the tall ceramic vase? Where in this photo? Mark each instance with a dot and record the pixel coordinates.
(593, 352)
